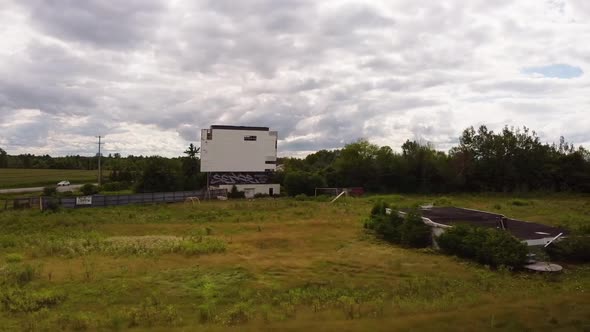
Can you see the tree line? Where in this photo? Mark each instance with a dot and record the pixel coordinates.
(506, 161)
(484, 160)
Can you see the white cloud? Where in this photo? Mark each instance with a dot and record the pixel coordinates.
(149, 74)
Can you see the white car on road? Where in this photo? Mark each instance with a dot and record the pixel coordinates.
(63, 183)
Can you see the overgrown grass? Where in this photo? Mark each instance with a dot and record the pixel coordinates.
(19, 177)
(271, 264)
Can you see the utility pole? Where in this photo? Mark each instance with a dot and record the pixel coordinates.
(99, 156)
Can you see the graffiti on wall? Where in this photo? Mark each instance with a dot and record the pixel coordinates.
(238, 178)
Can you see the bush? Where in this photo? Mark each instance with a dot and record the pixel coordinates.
(22, 300)
(379, 208)
(386, 226)
(115, 186)
(575, 248)
(301, 197)
(234, 193)
(18, 274)
(51, 205)
(49, 191)
(411, 232)
(89, 189)
(414, 232)
(14, 258)
(484, 245)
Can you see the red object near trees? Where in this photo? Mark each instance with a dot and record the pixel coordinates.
(356, 191)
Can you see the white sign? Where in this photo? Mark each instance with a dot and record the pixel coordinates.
(84, 200)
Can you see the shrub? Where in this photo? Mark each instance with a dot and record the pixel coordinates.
(301, 197)
(414, 232)
(411, 232)
(49, 191)
(484, 245)
(22, 300)
(89, 189)
(14, 258)
(234, 193)
(51, 205)
(115, 186)
(18, 274)
(575, 248)
(379, 208)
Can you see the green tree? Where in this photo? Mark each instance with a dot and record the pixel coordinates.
(3, 158)
(159, 174)
(298, 182)
(356, 165)
(192, 178)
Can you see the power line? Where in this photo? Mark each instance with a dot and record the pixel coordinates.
(99, 157)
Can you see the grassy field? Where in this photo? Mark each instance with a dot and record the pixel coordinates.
(272, 265)
(21, 178)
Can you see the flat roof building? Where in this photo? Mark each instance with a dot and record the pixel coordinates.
(238, 149)
(243, 156)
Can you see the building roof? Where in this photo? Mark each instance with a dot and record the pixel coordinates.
(523, 230)
(227, 127)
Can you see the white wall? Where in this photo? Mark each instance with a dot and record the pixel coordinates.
(258, 188)
(227, 151)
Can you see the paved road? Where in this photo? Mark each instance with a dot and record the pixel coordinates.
(38, 189)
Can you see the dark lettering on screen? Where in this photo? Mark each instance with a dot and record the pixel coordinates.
(238, 178)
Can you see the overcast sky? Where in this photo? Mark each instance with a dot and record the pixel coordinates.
(147, 74)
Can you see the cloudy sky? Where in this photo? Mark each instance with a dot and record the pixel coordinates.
(147, 74)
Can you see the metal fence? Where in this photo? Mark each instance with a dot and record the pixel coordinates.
(110, 200)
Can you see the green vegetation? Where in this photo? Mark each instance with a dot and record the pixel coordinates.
(511, 160)
(271, 264)
(20, 178)
(575, 248)
(50, 191)
(408, 231)
(89, 189)
(484, 245)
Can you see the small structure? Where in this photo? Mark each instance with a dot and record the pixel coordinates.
(543, 267)
(533, 234)
(241, 156)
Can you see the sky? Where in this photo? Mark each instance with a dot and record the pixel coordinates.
(148, 74)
